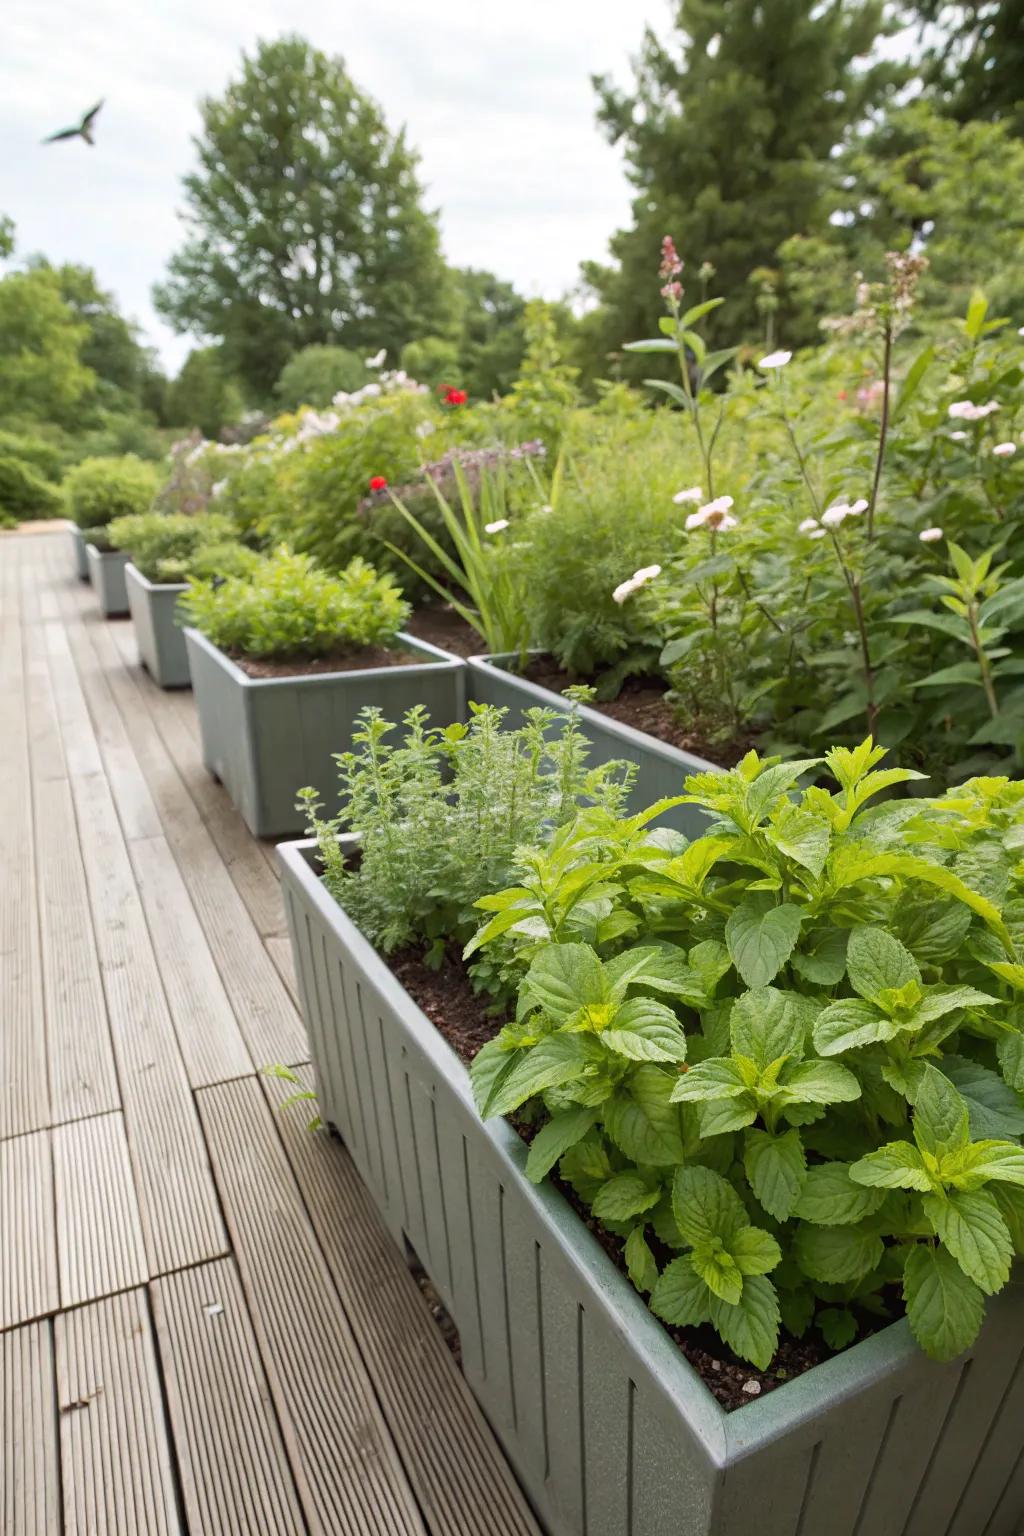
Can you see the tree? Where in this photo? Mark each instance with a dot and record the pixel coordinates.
(728, 129)
(6, 236)
(306, 222)
(316, 374)
(491, 331)
(204, 395)
(433, 360)
(976, 66)
(42, 375)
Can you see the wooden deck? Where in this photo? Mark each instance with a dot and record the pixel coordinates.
(203, 1326)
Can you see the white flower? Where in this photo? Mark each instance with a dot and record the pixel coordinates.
(425, 429)
(1005, 450)
(638, 579)
(693, 494)
(497, 527)
(1020, 330)
(775, 360)
(218, 487)
(646, 573)
(838, 513)
(545, 508)
(958, 437)
(377, 360)
(930, 535)
(966, 410)
(714, 514)
(817, 533)
(808, 524)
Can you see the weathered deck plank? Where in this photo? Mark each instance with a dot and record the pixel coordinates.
(350, 1475)
(235, 1475)
(29, 1484)
(99, 1230)
(423, 1394)
(28, 1235)
(116, 1460)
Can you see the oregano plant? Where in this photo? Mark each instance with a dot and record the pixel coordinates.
(782, 1063)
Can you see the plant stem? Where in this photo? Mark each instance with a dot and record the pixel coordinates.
(983, 661)
(883, 429)
(853, 587)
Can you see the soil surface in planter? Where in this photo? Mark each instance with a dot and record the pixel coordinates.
(338, 661)
(455, 1010)
(641, 703)
(440, 625)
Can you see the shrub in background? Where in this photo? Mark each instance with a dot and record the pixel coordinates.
(162, 545)
(316, 374)
(98, 490)
(24, 492)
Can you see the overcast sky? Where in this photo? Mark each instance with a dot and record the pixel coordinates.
(496, 95)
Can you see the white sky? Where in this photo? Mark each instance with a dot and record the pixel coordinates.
(496, 96)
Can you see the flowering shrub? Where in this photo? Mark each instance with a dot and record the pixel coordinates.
(287, 609)
(784, 1064)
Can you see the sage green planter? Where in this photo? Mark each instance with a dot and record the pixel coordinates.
(159, 636)
(661, 769)
(106, 572)
(79, 558)
(266, 738)
(611, 1431)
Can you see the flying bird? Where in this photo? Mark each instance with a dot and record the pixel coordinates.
(82, 131)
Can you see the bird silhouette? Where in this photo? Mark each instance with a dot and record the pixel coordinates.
(83, 130)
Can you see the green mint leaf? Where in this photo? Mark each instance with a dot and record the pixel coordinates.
(555, 1138)
(876, 962)
(761, 937)
(818, 1082)
(751, 1326)
(849, 1023)
(938, 1001)
(821, 957)
(829, 1196)
(710, 962)
(897, 1165)
(640, 1261)
(755, 1251)
(706, 1206)
(776, 1167)
(680, 1296)
(566, 977)
(645, 1030)
(727, 1115)
(624, 1195)
(836, 1255)
(558, 1058)
(587, 1165)
(970, 1224)
(490, 1066)
(717, 1078)
(993, 1109)
(984, 1162)
(1010, 1051)
(1010, 1201)
(941, 1121)
(719, 1271)
(766, 1024)
(802, 837)
(765, 790)
(838, 1326)
(641, 1119)
(944, 1308)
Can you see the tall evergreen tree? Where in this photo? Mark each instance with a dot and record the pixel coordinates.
(306, 221)
(727, 129)
(975, 62)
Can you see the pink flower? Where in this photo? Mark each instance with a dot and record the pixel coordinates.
(1005, 450)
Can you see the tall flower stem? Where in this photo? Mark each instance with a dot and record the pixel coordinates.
(983, 661)
(883, 431)
(857, 603)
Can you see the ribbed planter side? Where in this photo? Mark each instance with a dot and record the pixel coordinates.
(106, 572)
(611, 1431)
(79, 558)
(267, 738)
(661, 769)
(161, 640)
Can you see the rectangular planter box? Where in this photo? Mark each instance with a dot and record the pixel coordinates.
(160, 639)
(610, 1430)
(79, 558)
(106, 572)
(661, 769)
(266, 738)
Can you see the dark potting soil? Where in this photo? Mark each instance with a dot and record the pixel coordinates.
(440, 625)
(642, 703)
(455, 1010)
(338, 661)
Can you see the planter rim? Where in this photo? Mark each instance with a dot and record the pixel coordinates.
(444, 661)
(627, 734)
(133, 573)
(725, 1436)
(104, 554)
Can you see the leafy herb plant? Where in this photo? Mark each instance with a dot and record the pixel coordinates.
(163, 545)
(782, 1063)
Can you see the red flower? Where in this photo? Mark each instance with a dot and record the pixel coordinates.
(378, 483)
(454, 396)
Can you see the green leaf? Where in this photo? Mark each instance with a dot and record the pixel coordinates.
(761, 937)
(566, 977)
(876, 962)
(1010, 1051)
(624, 1195)
(829, 1196)
(836, 1255)
(776, 1167)
(993, 1109)
(756, 1252)
(803, 837)
(555, 1138)
(751, 1327)
(944, 1308)
(821, 957)
(985, 1162)
(719, 1271)
(941, 1122)
(654, 344)
(1010, 1201)
(969, 1224)
(556, 1059)
(681, 1297)
(819, 1082)
(765, 1025)
(489, 1067)
(848, 1024)
(645, 1030)
(641, 1119)
(897, 1165)
(640, 1261)
(705, 1205)
(838, 1326)
(699, 311)
(912, 381)
(717, 1078)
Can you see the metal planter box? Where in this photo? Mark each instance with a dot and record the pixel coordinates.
(160, 638)
(611, 1431)
(661, 769)
(79, 558)
(265, 738)
(106, 572)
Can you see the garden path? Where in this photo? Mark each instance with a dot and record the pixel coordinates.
(203, 1326)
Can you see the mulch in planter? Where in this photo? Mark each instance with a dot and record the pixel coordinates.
(449, 1002)
(440, 625)
(338, 661)
(642, 703)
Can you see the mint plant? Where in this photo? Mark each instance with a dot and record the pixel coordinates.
(782, 1063)
(162, 545)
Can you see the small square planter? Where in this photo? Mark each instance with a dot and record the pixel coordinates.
(266, 738)
(161, 640)
(661, 769)
(610, 1429)
(106, 572)
(79, 558)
